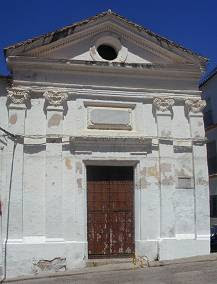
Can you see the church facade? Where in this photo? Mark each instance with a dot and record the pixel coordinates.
(102, 148)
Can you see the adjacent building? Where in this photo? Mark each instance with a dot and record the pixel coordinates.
(103, 152)
(209, 89)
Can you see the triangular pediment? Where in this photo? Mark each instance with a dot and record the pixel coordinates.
(81, 41)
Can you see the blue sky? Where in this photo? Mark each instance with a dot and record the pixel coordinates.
(190, 23)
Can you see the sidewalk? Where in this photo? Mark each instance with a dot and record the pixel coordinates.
(109, 265)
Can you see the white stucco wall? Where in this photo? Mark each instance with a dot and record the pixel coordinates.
(48, 193)
(157, 128)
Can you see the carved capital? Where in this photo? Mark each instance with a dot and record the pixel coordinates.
(55, 98)
(195, 105)
(163, 104)
(18, 96)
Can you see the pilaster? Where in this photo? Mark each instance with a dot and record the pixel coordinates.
(163, 110)
(53, 172)
(34, 189)
(17, 106)
(149, 200)
(194, 109)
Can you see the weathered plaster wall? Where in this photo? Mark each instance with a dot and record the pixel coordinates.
(61, 117)
(71, 108)
(48, 195)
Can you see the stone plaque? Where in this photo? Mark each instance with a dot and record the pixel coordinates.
(109, 118)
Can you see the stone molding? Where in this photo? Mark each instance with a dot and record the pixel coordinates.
(122, 140)
(18, 95)
(195, 105)
(55, 98)
(102, 28)
(163, 104)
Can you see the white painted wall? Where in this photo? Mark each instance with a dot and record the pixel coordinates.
(48, 208)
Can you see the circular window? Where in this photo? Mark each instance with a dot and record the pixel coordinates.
(107, 46)
(107, 52)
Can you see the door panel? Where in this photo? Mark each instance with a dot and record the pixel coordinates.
(110, 217)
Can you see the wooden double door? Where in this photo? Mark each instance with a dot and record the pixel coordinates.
(110, 209)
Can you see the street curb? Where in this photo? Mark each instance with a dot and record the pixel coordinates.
(202, 258)
(71, 272)
(114, 267)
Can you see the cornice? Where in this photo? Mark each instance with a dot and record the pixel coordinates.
(131, 36)
(102, 90)
(56, 96)
(178, 71)
(126, 139)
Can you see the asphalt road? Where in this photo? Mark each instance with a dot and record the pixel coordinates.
(187, 273)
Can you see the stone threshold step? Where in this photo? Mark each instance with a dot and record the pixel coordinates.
(104, 261)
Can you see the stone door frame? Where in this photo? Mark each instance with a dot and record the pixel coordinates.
(135, 163)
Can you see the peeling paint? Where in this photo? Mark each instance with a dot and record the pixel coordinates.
(165, 133)
(152, 171)
(78, 167)
(54, 120)
(13, 118)
(68, 163)
(165, 168)
(55, 264)
(79, 183)
(202, 181)
(143, 172)
(171, 232)
(184, 172)
(144, 183)
(167, 180)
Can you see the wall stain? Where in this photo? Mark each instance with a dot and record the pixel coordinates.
(148, 172)
(165, 168)
(165, 133)
(54, 120)
(79, 183)
(78, 167)
(167, 180)
(68, 163)
(202, 181)
(184, 172)
(171, 232)
(144, 183)
(143, 172)
(13, 118)
(152, 171)
(42, 265)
